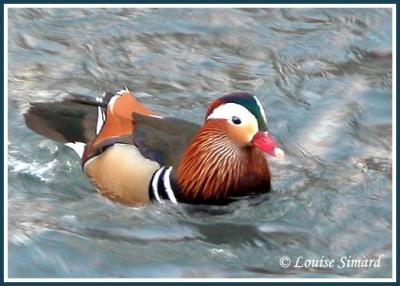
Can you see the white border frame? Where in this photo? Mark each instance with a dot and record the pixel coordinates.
(5, 102)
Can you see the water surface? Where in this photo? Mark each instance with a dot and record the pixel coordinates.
(325, 78)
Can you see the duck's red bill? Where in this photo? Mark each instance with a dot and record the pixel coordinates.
(267, 144)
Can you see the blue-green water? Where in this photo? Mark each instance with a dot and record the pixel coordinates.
(325, 78)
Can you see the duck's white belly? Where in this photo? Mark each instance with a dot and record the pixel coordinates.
(122, 174)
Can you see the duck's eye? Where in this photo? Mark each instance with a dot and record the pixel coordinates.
(236, 120)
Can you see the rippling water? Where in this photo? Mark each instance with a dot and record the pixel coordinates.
(325, 77)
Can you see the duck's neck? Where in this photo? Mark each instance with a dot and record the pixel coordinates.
(213, 167)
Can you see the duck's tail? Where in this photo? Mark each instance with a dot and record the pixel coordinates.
(72, 121)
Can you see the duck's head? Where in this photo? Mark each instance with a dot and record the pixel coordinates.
(245, 121)
(224, 157)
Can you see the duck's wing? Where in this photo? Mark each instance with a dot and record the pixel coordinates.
(162, 139)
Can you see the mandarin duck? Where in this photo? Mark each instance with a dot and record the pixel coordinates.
(132, 155)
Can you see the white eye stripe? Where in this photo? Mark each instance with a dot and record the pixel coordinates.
(261, 109)
(228, 110)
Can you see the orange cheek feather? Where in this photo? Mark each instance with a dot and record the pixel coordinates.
(241, 135)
